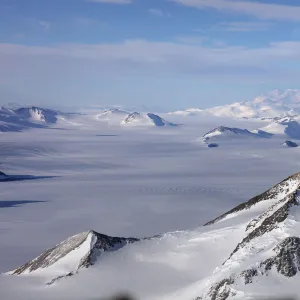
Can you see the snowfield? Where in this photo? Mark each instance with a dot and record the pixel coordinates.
(122, 208)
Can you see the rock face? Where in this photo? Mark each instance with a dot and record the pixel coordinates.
(132, 117)
(287, 258)
(80, 250)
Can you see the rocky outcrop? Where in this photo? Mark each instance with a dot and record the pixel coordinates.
(287, 258)
(286, 262)
(290, 144)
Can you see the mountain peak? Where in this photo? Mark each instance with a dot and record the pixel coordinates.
(145, 119)
(76, 252)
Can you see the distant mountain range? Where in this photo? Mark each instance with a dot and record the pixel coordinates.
(269, 105)
(23, 118)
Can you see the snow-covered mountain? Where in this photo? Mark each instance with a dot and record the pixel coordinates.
(79, 251)
(223, 132)
(11, 121)
(37, 114)
(253, 250)
(145, 119)
(22, 118)
(269, 105)
(112, 116)
(287, 126)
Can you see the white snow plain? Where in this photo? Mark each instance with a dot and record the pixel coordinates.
(127, 181)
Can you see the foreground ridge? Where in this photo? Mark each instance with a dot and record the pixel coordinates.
(272, 231)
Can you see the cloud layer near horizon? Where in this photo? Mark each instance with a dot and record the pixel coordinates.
(145, 56)
(267, 11)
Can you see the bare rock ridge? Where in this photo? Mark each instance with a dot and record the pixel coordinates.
(84, 247)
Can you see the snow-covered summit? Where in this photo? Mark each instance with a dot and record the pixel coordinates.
(145, 119)
(232, 132)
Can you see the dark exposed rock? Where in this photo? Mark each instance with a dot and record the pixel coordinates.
(281, 187)
(104, 243)
(99, 243)
(59, 278)
(290, 144)
(247, 275)
(212, 145)
(287, 260)
(221, 290)
(132, 116)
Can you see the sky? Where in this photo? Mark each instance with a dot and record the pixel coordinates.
(168, 53)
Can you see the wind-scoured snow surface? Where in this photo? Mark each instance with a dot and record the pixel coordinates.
(142, 181)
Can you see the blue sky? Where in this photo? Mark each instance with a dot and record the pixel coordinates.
(169, 53)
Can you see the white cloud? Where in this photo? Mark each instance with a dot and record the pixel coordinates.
(156, 12)
(45, 24)
(159, 13)
(138, 58)
(267, 11)
(194, 39)
(244, 26)
(111, 1)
